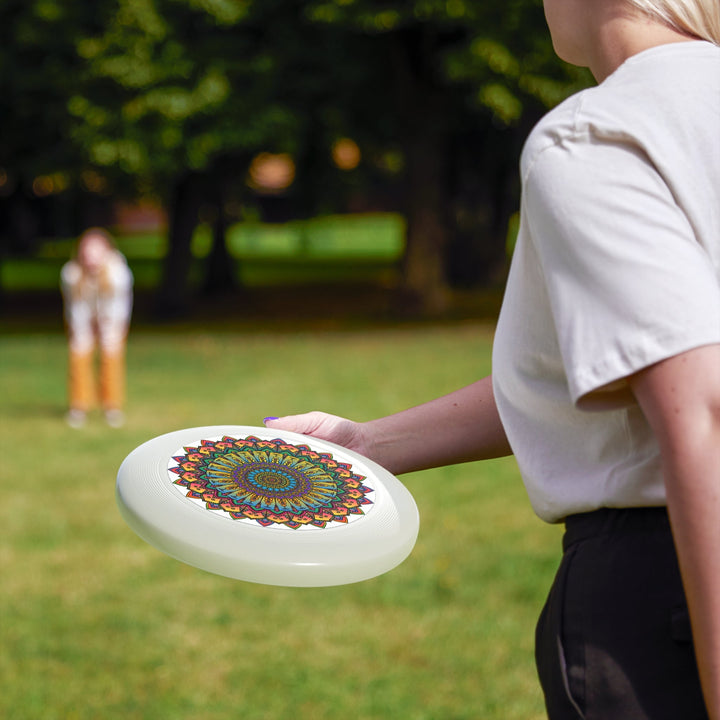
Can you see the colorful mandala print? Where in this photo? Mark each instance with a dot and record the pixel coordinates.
(271, 482)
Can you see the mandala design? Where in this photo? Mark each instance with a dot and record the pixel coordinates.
(270, 482)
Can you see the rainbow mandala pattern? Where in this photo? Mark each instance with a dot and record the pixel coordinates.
(271, 482)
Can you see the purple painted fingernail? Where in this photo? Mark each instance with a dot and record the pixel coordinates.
(268, 418)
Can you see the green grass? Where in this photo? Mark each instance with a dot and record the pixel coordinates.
(94, 623)
(342, 248)
(32, 274)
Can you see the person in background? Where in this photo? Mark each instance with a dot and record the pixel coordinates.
(606, 366)
(97, 294)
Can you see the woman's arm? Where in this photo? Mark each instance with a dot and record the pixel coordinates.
(681, 400)
(459, 427)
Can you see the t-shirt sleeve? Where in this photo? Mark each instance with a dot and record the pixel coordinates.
(629, 282)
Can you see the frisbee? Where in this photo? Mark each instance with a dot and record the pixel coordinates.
(267, 506)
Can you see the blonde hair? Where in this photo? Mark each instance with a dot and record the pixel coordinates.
(699, 18)
(85, 286)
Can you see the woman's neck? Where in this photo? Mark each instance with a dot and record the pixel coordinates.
(620, 37)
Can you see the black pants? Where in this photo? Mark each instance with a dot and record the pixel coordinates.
(613, 641)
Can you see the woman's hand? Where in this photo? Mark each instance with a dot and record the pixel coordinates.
(321, 425)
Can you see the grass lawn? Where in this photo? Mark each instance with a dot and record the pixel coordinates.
(334, 248)
(94, 623)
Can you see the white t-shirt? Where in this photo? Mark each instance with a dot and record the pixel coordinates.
(617, 266)
(97, 308)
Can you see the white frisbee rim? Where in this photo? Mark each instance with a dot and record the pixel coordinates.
(340, 554)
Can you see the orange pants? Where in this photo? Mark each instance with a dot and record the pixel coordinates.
(83, 390)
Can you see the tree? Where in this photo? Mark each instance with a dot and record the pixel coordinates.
(38, 69)
(175, 98)
(461, 72)
(183, 94)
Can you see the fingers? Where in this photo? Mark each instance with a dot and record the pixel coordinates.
(320, 425)
(304, 424)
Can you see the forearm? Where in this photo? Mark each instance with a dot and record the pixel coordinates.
(460, 427)
(693, 496)
(681, 400)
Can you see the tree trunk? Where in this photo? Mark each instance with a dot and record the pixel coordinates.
(174, 295)
(424, 277)
(485, 194)
(220, 267)
(424, 144)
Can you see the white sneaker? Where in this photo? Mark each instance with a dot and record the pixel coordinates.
(75, 418)
(115, 418)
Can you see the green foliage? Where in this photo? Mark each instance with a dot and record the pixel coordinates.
(98, 624)
(499, 53)
(174, 98)
(153, 87)
(38, 69)
(174, 83)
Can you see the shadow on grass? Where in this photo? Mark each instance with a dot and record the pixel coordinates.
(274, 309)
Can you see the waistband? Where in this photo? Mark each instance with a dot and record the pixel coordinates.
(607, 521)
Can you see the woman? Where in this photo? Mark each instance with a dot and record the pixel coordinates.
(97, 293)
(606, 365)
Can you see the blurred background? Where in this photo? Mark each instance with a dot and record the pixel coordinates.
(317, 200)
(235, 145)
